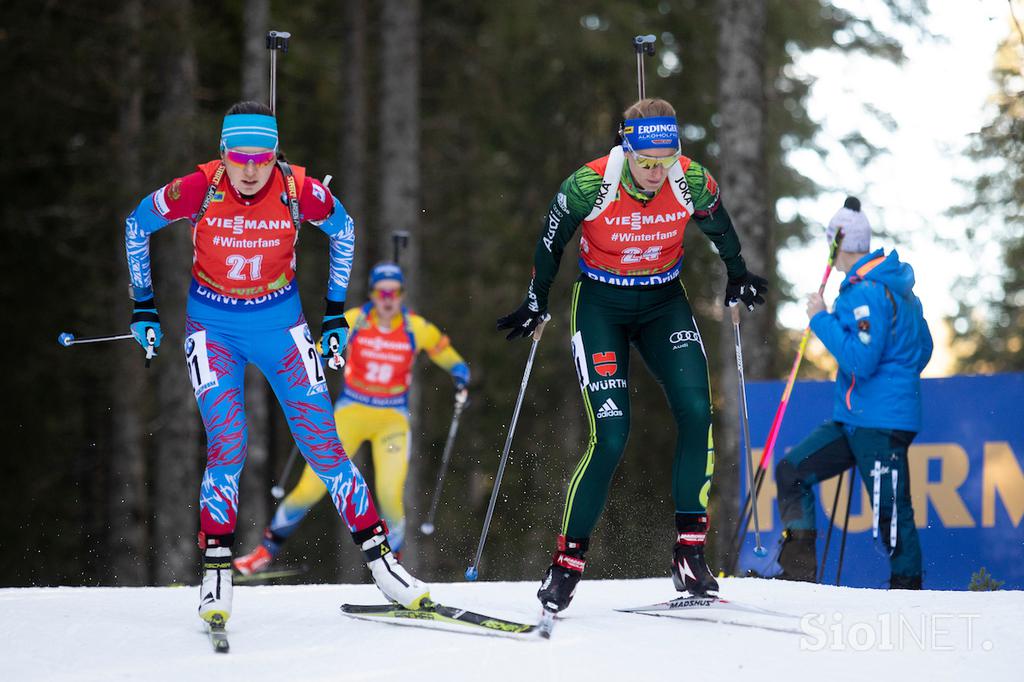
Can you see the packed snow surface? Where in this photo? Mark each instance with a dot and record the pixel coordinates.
(298, 633)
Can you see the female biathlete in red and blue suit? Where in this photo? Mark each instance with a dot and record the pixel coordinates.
(245, 209)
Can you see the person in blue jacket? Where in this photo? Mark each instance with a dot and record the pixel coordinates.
(879, 337)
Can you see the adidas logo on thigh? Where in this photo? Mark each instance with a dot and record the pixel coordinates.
(608, 409)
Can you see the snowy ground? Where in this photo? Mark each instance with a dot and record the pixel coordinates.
(297, 632)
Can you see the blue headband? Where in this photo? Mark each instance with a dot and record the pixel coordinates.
(649, 133)
(383, 271)
(249, 130)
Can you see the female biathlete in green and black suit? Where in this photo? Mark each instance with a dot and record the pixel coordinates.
(631, 252)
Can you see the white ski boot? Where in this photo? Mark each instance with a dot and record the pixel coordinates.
(389, 575)
(215, 590)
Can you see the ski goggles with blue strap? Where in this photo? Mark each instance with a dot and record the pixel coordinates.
(656, 132)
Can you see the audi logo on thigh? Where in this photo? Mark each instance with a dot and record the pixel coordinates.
(681, 336)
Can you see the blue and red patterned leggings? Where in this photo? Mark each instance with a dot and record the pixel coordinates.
(221, 339)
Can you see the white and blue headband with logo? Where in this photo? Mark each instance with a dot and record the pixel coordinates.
(383, 271)
(650, 133)
(248, 130)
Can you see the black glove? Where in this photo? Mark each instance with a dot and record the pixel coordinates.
(747, 289)
(523, 321)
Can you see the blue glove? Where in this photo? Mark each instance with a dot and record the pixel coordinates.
(333, 333)
(460, 375)
(145, 326)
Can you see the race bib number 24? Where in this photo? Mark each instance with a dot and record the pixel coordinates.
(310, 358)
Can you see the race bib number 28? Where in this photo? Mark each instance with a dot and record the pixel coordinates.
(310, 358)
(198, 361)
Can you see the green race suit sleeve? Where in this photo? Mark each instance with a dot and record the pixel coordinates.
(713, 220)
(572, 204)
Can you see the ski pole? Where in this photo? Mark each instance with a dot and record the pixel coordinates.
(276, 40)
(773, 432)
(831, 525)
(427, 527)
(278, 490)
(759, 549)
(473, 571)
(67, 339)
(846, 524)
(399, 242)
(643, 45)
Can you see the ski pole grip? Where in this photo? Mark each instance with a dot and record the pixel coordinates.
(539, 331)
(734, 310)
(644, 44)
(278, 40)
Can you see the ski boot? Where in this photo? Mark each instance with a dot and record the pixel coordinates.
(904, 582)
(690, 572)
(216, 588)
(564, 574)
(390, 577)
(259, 559)
(798, 556)
(255, 561)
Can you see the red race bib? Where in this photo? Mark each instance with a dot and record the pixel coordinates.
(245, 249)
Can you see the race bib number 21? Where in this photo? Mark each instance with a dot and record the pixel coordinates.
(198, 361)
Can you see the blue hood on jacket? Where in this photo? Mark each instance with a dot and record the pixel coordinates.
(893, 273)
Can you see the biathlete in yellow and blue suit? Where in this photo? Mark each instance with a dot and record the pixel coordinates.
(373, 408)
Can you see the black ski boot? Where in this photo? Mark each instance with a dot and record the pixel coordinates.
(562, 577)
(798, 556)
(690, 572)
(904, 582)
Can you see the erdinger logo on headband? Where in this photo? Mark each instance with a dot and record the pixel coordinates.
(647, 133)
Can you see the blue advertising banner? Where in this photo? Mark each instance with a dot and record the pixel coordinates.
(967, 483)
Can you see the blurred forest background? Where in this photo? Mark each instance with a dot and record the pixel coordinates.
(455, 120)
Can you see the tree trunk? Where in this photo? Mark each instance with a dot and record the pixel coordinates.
(255, 62)
(352, 162)
(254, 509)
(350, 188)
(741, 106)
(400, 196)
(126, 495)
(176, 432)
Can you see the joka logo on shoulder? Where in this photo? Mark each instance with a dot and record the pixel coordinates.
(608, 409)
(604, 363)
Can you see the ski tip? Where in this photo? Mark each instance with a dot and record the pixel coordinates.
(472, 574)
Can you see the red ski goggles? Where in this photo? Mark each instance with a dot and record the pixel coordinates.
(386, 294)
(243, 159)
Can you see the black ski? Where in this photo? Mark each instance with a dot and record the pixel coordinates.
(218, 634)
(441, 617)
(711, 609)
